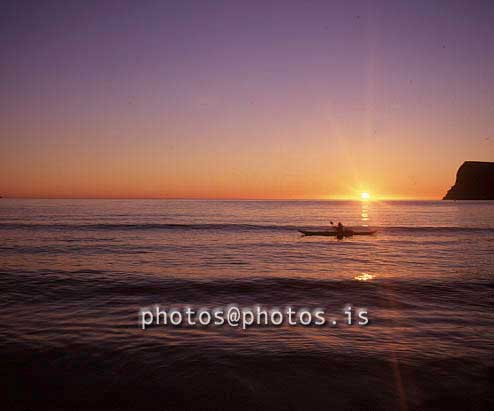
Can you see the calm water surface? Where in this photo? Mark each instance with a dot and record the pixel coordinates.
(74, 274)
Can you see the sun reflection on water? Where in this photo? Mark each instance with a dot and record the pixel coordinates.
(364, 277)
(364, 213)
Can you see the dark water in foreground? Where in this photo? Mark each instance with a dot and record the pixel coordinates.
(75, 273)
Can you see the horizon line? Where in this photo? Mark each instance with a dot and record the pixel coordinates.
(384, 198)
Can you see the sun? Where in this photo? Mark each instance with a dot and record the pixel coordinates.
(365, 196)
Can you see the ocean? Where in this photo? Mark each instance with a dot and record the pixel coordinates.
(75, 276)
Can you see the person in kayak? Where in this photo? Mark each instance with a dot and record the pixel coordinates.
(339, 231)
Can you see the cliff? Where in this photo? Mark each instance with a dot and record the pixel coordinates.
(474, 181)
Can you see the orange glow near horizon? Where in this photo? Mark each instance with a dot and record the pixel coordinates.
(73, 176)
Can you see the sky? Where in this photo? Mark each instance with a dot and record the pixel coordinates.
(243, 99)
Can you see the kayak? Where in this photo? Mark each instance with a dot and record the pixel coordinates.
(346, 233)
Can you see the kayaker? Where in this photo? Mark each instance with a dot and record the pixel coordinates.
(339, 231)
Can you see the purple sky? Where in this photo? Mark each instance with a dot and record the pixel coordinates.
(243, 99)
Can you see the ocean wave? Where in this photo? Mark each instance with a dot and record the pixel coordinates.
(108, 286)
(146, 226)
(227, 227)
